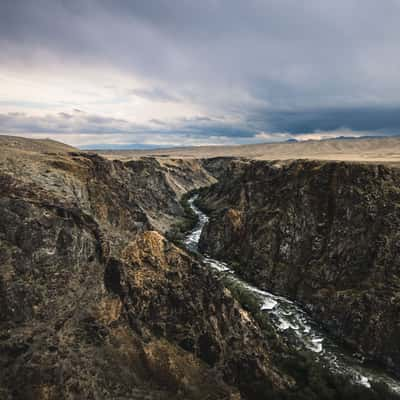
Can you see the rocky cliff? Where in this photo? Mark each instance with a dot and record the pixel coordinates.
(96, 304)
(324, 233)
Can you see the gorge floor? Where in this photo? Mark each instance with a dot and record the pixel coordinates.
(291, 320)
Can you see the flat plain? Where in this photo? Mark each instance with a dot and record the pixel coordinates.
(375, 150)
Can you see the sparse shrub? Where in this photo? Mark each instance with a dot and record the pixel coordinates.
(249, 301)
(314, 380)
(178, 231)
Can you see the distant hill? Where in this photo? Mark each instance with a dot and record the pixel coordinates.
(131, 146)
(368, 150)
(376, 150)
(34, 145)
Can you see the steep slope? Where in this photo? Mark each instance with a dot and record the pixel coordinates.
(96, 304)
(325, 234)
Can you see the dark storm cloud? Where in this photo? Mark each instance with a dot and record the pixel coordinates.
(80, 122)
(276, 65)
(377, 121)
(385, 120)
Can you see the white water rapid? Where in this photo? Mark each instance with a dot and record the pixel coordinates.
(290, 318)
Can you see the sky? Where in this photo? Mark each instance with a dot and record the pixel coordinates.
(118, 73)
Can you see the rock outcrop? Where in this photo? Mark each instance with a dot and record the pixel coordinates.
(96, 304)
(326, 234)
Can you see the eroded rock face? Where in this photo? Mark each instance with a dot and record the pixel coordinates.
(324, 233)
(166, 292)
(95, 304)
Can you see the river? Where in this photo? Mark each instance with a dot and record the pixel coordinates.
(290, 319)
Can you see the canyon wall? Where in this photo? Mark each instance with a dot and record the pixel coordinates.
(95, 303)
(326, 234)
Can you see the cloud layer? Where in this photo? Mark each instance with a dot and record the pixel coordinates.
(186, 71)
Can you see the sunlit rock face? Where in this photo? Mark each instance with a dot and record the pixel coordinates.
(96, 303)
(324, 233)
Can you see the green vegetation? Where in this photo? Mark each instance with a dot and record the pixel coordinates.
(189, 220)
(252, 303)
(249, 301)
(200, 203)
(314, 380)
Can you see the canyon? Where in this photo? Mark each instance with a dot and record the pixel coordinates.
(323, 233)
(100, 298)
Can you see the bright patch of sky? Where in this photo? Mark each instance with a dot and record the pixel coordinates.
(194, 73)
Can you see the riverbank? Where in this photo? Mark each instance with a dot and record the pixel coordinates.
(300, 346)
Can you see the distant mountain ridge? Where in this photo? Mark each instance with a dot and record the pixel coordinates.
(141, 146)
(384, 150)
(131, 146)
